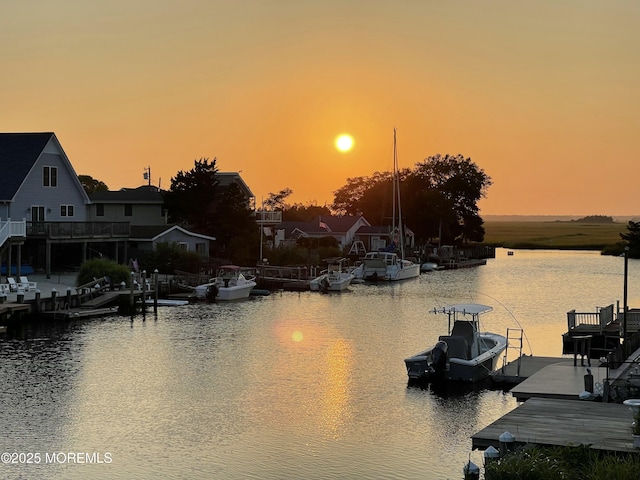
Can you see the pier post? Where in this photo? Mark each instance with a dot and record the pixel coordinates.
(156, 282)
(20, 297)
(69, 298)
(54, 294)
(131, 291)
(38, 301)
(3, 297)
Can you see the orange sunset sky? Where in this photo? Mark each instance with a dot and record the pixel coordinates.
(544, 96)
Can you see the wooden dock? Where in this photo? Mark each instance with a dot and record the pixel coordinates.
(522, 368)
(558, 381)
(548, 422)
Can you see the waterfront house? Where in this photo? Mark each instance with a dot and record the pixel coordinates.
(48, 221)
(343, 229)
(38, 186)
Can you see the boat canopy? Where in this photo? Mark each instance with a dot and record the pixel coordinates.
(464, 309)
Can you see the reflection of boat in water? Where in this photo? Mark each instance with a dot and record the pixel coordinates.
(333, 279)
(166, 302)
(230, 283)
(465, 355)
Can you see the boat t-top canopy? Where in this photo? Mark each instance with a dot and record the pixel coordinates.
(457, 311)
(473, 309)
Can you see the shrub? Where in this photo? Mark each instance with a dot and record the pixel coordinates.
(100, 267)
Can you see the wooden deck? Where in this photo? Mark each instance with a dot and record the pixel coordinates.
(558, 381)
(529, 365)
(542, 421)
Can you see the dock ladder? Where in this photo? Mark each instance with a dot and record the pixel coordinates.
(514, 341)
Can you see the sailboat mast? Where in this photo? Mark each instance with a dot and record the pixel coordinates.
(396, 196)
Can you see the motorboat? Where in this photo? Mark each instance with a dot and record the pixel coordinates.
(383, 266)
(430, 267)
(466, 354)
(333, 279)
(230, 283)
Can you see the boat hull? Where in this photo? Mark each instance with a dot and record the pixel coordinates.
(326, 283)
(420, 367)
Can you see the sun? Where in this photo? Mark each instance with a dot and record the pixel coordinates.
(344, 142)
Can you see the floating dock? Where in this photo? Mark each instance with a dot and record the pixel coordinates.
(549, 422)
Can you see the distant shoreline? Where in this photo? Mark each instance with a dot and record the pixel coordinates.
(552, 218)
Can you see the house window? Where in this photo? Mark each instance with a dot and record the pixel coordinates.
(66, 210)
(49, 176)
(183, 246)
(99, 209)
(128, 210)
(200, 249)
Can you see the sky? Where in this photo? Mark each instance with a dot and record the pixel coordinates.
(543, 95)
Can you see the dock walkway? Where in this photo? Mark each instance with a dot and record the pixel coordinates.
(549, 422)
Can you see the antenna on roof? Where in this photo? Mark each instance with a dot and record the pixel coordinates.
(147, 175)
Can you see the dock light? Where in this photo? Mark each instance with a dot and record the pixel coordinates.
(507, 442)
(471, 471)
(490, 454)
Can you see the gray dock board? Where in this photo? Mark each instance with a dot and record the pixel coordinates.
(529, 365)
(559, 380)
(549, 422)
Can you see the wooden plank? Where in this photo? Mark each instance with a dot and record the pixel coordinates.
(529, 365)
(560, 380)
(542, 421)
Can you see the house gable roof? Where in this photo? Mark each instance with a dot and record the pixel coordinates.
(18, 154)
(153, 233)
(336, 225)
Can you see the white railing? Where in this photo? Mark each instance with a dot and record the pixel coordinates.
(12, 228)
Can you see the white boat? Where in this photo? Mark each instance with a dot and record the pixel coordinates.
(430, 267)
(383, 266)
(387, 264)
(230, 283)
(465, 355)
(333, 279)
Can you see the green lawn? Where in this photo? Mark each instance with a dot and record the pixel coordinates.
(560, 235)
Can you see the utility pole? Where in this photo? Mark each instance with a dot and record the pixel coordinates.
(625, 307)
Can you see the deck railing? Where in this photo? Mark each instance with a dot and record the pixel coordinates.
(63, 230)
(12, 228)
(590, 320)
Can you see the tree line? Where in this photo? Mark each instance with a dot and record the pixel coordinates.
(439, 200)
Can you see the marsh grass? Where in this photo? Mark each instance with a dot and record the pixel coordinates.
(554, 235)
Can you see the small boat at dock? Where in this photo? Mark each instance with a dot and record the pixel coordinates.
(229, 284)
(466, 354)
(333, 279)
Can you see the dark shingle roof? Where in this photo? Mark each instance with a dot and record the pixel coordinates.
(143, 194)
(18, 154)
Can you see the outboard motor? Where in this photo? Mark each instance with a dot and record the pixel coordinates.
(439, 357)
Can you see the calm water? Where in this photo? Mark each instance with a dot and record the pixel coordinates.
(294, 385)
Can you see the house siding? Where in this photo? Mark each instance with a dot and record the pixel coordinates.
(180, 237)
(33, 193)
(142, 214)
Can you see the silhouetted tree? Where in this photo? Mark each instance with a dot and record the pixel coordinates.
(191, 199)
(92, 185)
(632, 238)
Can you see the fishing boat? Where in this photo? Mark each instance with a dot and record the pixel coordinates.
(230, 283)
(466, 354)
(333, 279)
(390, 263)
